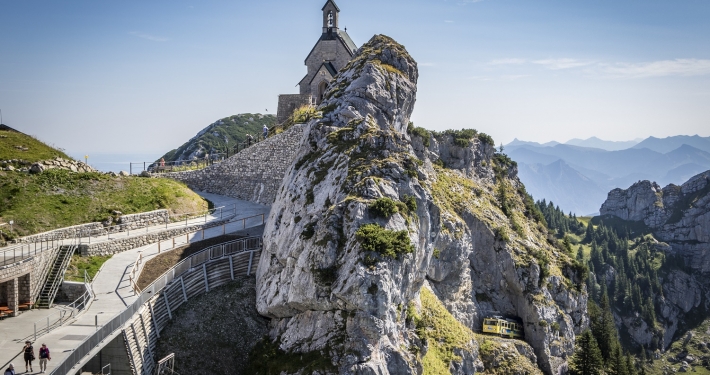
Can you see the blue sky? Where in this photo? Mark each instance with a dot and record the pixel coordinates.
(143, 77)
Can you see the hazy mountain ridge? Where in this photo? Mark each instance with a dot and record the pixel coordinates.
(591, 170)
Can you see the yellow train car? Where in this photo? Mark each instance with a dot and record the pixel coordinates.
(502, 327)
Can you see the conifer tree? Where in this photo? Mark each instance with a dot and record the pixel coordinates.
(587, 359)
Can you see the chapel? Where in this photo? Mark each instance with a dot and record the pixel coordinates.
(332, 52)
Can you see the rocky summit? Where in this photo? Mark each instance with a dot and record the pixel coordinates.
(679, 219)
(387, 245)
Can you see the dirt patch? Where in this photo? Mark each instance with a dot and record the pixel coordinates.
(163, 262)
(213, 333)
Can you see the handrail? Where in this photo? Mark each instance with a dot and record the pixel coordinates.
(59, 276)
(72, 310)
(222, 210)
(24, 251)
(150, 291)
(134, 274)
(169, 166)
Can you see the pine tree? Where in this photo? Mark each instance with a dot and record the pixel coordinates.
(616, 363)
(587, 359)
(602, 325)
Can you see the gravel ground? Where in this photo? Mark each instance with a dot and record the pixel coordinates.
(213, 333)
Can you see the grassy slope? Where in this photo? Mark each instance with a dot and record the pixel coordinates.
(701, 334)
(234, 128)
(55, 198)
(36, 150)
(79, 264)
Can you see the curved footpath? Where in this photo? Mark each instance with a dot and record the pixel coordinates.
(113, 293)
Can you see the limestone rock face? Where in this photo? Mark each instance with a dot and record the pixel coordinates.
(329, 287)
(679, 216)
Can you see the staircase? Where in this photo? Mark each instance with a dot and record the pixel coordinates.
(55, 276)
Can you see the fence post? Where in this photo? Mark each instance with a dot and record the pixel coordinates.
(152, 317)
(251, 257)
(167, 306)
(204, 273)
(182, 284)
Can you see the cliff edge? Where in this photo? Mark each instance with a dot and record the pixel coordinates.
(387, 245)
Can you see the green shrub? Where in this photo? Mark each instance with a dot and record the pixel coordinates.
(388, 243)
(411, 202)
(486, 139)
(384, 207)
(423, 133)
(462, 137)
(502, 234)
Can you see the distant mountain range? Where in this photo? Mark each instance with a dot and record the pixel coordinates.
(578, 174)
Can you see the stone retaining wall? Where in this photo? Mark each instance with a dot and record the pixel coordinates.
(142, 220)
(69, 291)
(123, 244)
(254, 174)
(125, 222)
(61, 233)
(21, 282)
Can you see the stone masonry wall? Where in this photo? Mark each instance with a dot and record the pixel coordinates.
(61, 233)
(123, 244)
(254, 174)
(125, 222)
(288, 103)
(23, 281)
(69, 291)
(142, 220)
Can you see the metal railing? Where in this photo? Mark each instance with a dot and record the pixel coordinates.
(176, 242)
(51, 289)
(176, 166)
(250, 244)
(24, 251)
(193, 164)
(65, 313)
(178, 220)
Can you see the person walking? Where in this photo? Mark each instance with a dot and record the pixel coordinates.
(10, 370)
(29, 355)
(44, 356)
(266, 131)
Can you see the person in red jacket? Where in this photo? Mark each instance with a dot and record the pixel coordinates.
(44, 357)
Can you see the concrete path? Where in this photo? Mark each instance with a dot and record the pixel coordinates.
(112, 290)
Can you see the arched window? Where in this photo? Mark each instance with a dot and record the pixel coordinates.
(330, 19)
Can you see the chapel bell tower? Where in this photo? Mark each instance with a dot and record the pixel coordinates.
(330, 16)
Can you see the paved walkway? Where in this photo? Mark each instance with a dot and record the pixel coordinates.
(113, 294)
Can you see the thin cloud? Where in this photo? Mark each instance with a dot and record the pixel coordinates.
(152, 38)
(449, 21)
(513, 77)
(661, 68)
(559, 64)
(507, 61)
(466, 2)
